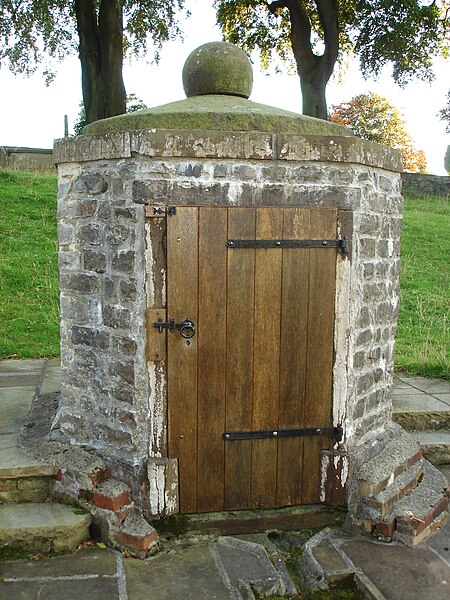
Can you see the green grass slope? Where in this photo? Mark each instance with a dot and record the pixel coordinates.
(29, 315)
(423, 337)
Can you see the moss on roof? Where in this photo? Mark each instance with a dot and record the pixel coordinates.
(217, 112)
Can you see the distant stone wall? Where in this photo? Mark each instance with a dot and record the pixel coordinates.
(438, 185)
(26, 159)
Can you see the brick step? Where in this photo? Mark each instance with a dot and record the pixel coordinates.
(421, 512)
(381, 504)
(377, 474)
(42, 527)
(435, 444)
(115, 519)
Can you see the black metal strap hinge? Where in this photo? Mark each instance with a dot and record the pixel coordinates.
(341, 244)
(336, 432)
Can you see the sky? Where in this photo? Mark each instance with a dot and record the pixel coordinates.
(32, 114)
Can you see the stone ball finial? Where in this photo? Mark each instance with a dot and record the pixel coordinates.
(218, 68)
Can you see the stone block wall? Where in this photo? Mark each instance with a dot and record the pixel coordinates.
(373, 307)
(102, 277)
(113, 400)
(439, 185)
(26, 159)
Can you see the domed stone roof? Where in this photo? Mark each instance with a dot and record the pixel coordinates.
(217, 79)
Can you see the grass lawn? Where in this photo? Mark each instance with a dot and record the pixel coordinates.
(423, 337)
(29, 315)
(29, 285)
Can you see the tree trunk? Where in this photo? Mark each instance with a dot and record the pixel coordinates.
(101, 58)
(314, 71)
(313, 96)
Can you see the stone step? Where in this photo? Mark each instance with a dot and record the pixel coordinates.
(421, 404)
(375, 475)
(420, 513)
(435, 444)
(41, 528)
(22, 478)
(384, 502)
(420, 418)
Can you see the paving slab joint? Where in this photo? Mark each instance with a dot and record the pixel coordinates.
(316, 575)
(312, 573)
(246, 569)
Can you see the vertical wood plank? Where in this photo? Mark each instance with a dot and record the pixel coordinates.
(239, 384)
(320, 348)
(294, 322)
(269, 224)
(182, 291)
(211, 332)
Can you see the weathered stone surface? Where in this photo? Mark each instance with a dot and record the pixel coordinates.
(117, 234)
(54, 590)
(379, 472)
(218, 68)
(331, 562)
(90, 234)
(87, 561)
(116, 317)
(207, 142)
(245, 562)
(436, 445)
(197, 576)
(383, 563)
(94, 260)
(89, 337)
(80, 282)
(125, 370)
(123, 261)
(42, 527)
(91, 183)
(91, 148)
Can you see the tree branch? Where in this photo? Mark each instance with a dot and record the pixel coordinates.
(301, 37)
(328, 16)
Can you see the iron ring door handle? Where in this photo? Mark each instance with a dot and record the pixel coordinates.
(187, 329)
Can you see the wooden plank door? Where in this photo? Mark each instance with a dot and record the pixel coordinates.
(261, 357)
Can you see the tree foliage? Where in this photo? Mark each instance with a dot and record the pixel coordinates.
(374, 118)
(40, 32)
(314, 34)
(444, 114)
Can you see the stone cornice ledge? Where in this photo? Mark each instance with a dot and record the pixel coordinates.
(255, 145)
